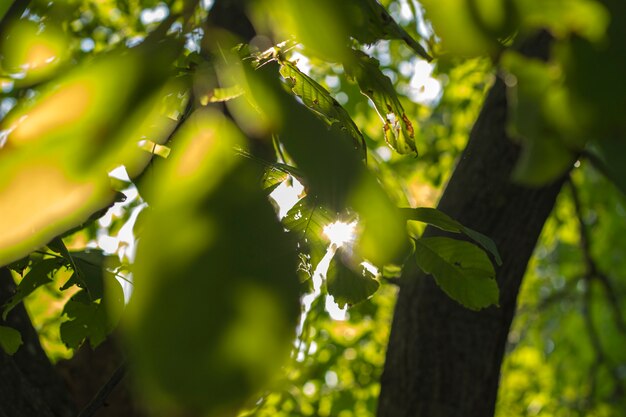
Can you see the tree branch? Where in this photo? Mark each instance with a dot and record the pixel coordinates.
(593, 273)
(100, 398)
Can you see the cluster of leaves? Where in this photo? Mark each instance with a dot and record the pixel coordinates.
(96, 299)
(212, 257)
(207, 220)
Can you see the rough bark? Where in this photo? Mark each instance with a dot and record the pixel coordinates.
(442, 359)
(29, 385)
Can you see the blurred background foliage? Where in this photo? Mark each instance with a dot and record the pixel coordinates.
(92, 85)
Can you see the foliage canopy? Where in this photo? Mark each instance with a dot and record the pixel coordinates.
(209, 124)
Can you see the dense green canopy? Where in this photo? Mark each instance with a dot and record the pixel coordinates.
(183, 127)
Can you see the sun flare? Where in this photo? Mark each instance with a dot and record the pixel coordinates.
(340, 233)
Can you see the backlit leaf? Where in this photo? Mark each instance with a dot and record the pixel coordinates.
(398, 129)
(306, 220)
(321, 102)
(342, 181)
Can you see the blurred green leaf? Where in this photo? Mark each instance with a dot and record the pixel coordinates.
(470, 28)
(547, 153)
(32, 52)
(10, 340)
(212, 252)
(588, 18)
(61, 145)
(4, 7)
(342, 181)
(608, 157)
(367, 21)
(219, 95)
(462, 270)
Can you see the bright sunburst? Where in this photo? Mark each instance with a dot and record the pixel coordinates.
(340, 233)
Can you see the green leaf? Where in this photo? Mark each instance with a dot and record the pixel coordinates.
(87, 267)
(88, 273)
(433, 217)
(543, 160)
(485, 242)
(213, 258)
(4, 7)
(306, 220)
(87, 321)
(76, 130)
(470, 27)
(219, 95)
(275, 172)
(536, 106)
(341, 181)
(316, 98)
(442, 221)
(461, 270)
(375, 85)
(10, 340)
(35, 278)
(20, 265)
(371, 22)
(347, 285)
(272, 178)
(326, 27)
(92, 320)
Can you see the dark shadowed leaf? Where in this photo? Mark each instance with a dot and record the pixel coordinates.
(38, 275)
(347, 285)
(93, 319)
(370, 22)
(442, 221)
(610, 159)
(461, 269)
(89, 272)
(10, 340)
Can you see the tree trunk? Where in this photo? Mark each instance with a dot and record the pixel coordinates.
(443, 359)
(29, 385)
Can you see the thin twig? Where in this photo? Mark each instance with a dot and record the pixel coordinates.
(592, 273)
(99, 400)
(610, 293)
